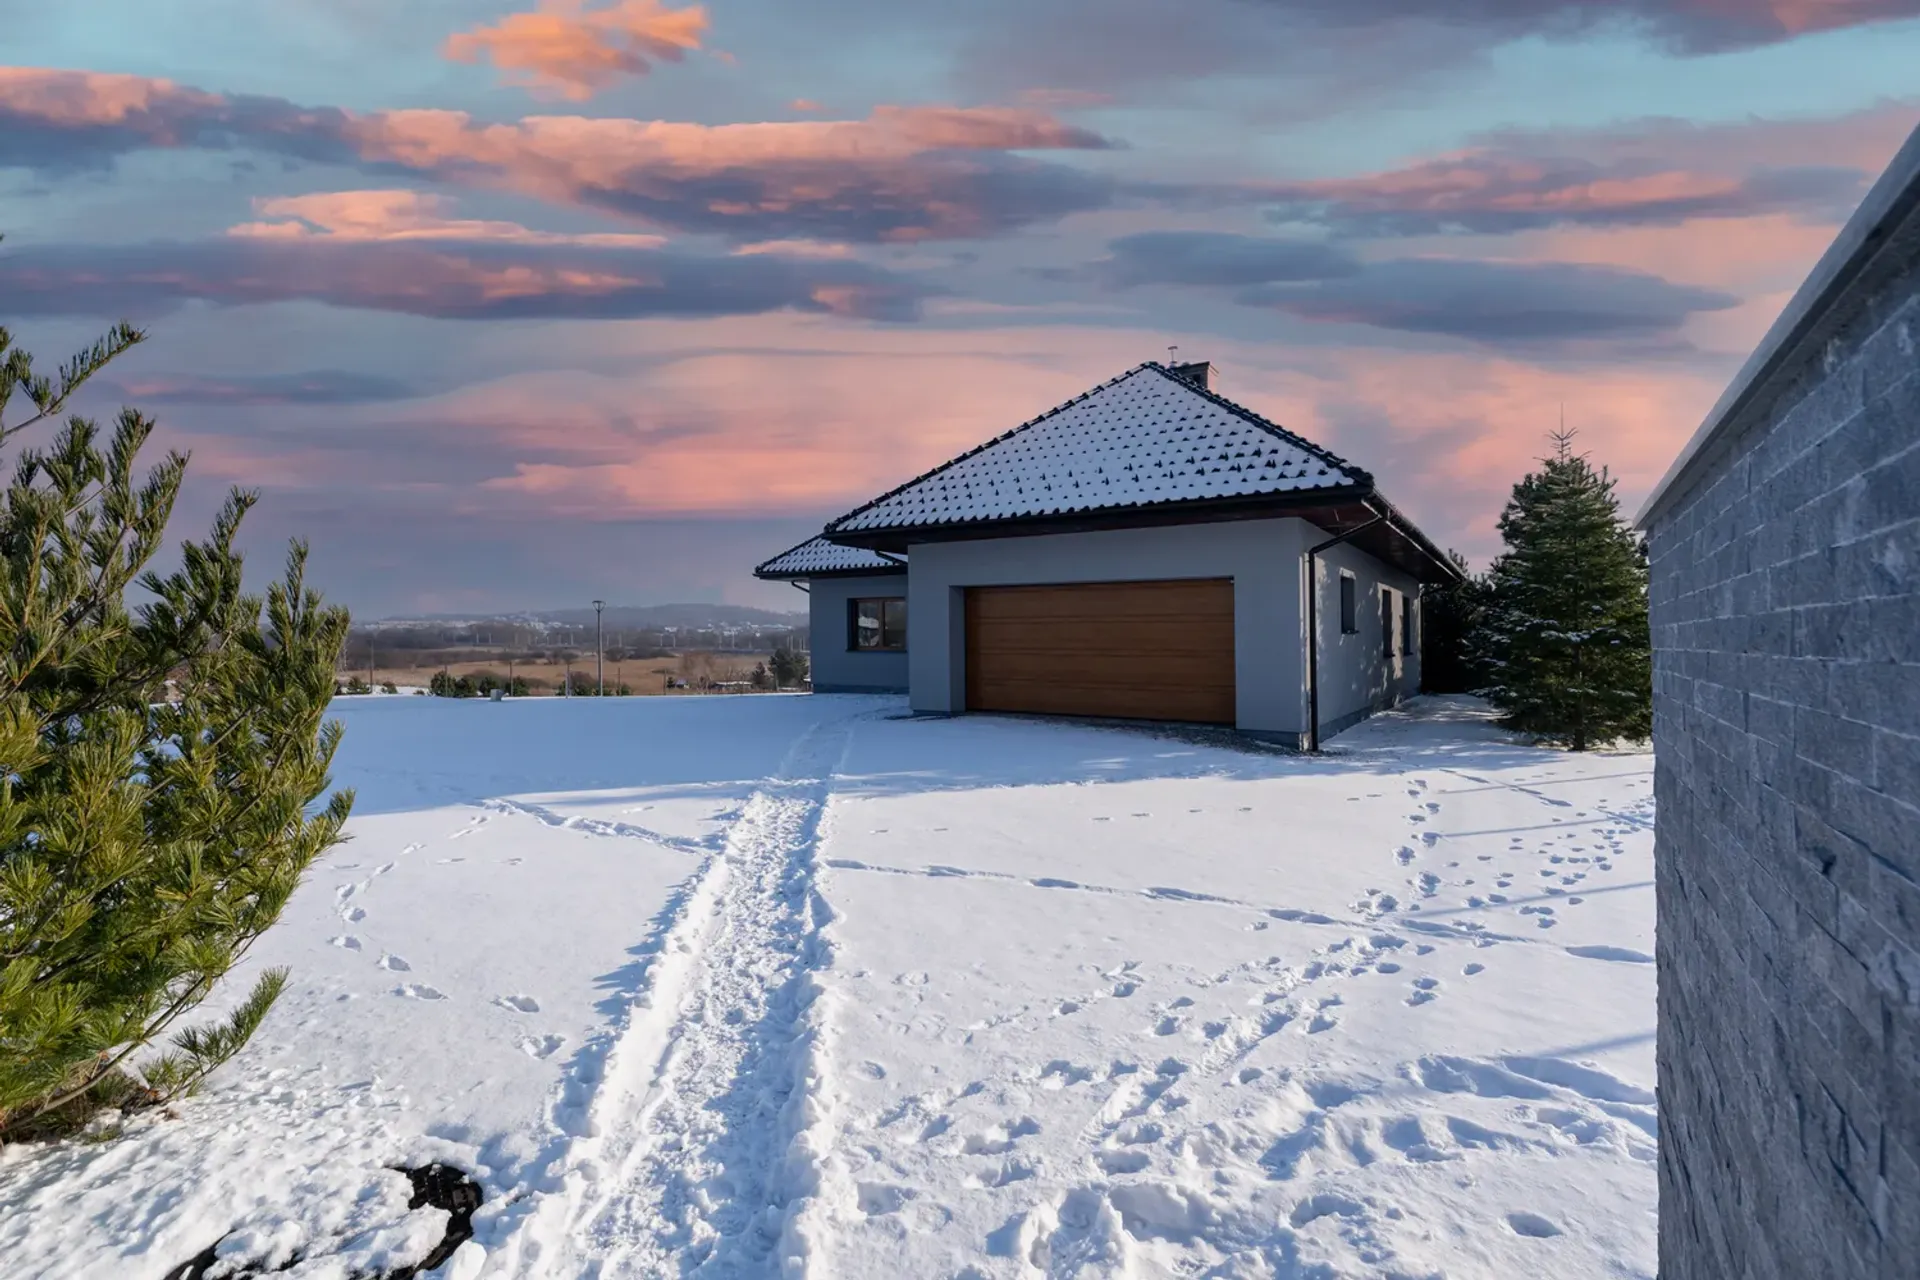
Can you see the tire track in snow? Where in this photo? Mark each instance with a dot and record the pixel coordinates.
(692, 1156)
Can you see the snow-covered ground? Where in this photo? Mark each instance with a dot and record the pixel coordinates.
(790, 985)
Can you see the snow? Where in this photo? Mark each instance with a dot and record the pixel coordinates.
(796, 985)
(1145, 437)
(817, 556)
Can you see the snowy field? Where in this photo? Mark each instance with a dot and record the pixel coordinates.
(797, 986)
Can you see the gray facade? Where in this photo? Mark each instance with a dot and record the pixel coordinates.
(1265, 559)
(837, 666)
(1785, 551)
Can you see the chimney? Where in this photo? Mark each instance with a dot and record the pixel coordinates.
(1200, 374)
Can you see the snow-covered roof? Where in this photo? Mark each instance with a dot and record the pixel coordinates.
(1145, 438)
(817, 557)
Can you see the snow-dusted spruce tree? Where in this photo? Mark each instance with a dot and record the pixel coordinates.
(159, 765)
(1565, 629)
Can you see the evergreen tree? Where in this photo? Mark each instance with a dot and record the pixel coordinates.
(1451, 622)
(158, 765)
(1567, 640)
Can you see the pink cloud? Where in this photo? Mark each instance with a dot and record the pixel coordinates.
(900, 174)
(770, 415)
(566, 49)
(1640, 172)
(404, 215)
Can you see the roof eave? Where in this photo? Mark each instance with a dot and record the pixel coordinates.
(898, 538)
(805, 575)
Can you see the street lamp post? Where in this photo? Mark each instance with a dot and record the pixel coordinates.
(599, 667)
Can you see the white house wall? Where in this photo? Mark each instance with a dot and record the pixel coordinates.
(1261, 556)
(837, 666)
(1356, 678)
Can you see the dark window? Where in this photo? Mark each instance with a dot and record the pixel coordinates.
(880, 625)
(1386, 622)
(1406, 624)
(1349, 605)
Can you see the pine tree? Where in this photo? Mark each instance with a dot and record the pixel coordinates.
(159, 765)
(1451, 624)
(1566, 627)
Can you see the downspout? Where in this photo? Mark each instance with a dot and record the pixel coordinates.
(1313, 624)
(799, 585)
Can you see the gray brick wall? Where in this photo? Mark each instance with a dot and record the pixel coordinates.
(1786, 627)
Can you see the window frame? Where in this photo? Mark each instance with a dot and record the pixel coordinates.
(1386, 621)
(881, 603)
(1349, 604)
(1406, 625)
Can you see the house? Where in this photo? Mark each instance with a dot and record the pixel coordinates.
(856, 614)
(1785, 606)
(1139, 552)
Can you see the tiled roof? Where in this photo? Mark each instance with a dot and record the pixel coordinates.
(1147, 437)
(818, 556)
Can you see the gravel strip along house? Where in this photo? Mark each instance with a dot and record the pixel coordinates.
(1138, 552)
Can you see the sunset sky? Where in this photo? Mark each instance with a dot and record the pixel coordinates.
(511, 305)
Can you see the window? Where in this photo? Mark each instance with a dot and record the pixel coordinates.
(1406, 625)
(1349, 605)
(1386, 622)
(879, 626)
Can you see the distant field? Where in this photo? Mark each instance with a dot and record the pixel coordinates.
(642, 675)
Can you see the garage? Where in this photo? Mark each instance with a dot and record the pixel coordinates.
(1160, 650)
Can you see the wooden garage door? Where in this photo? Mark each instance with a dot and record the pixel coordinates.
(1140, 650)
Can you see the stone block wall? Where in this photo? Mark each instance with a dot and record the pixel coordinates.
(1786, 627)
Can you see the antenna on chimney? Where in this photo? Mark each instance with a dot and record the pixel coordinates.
(1170, 350)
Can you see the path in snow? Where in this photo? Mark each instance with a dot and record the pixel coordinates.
(688, 1153)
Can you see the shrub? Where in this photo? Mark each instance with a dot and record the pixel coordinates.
(147, 836)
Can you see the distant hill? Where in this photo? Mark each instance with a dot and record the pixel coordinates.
(623, 616)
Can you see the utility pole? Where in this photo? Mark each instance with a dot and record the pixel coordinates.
(599, 667)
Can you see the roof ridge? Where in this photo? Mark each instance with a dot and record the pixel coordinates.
(1361, 475)
(959, 458)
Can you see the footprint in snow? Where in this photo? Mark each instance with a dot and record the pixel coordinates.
(1532, 1224)
(419, 991)
(345, 940)
(518, 1004)
(541, 1046)
(395, 963)
(353, 915)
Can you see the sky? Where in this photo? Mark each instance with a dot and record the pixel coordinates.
(512, 305)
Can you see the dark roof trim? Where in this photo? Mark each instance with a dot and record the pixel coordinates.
(812, 575)
(1239, 411)
(1449, 572)
(1397, 542)
(766, 571)
(1190, 511)
(1887, 219)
